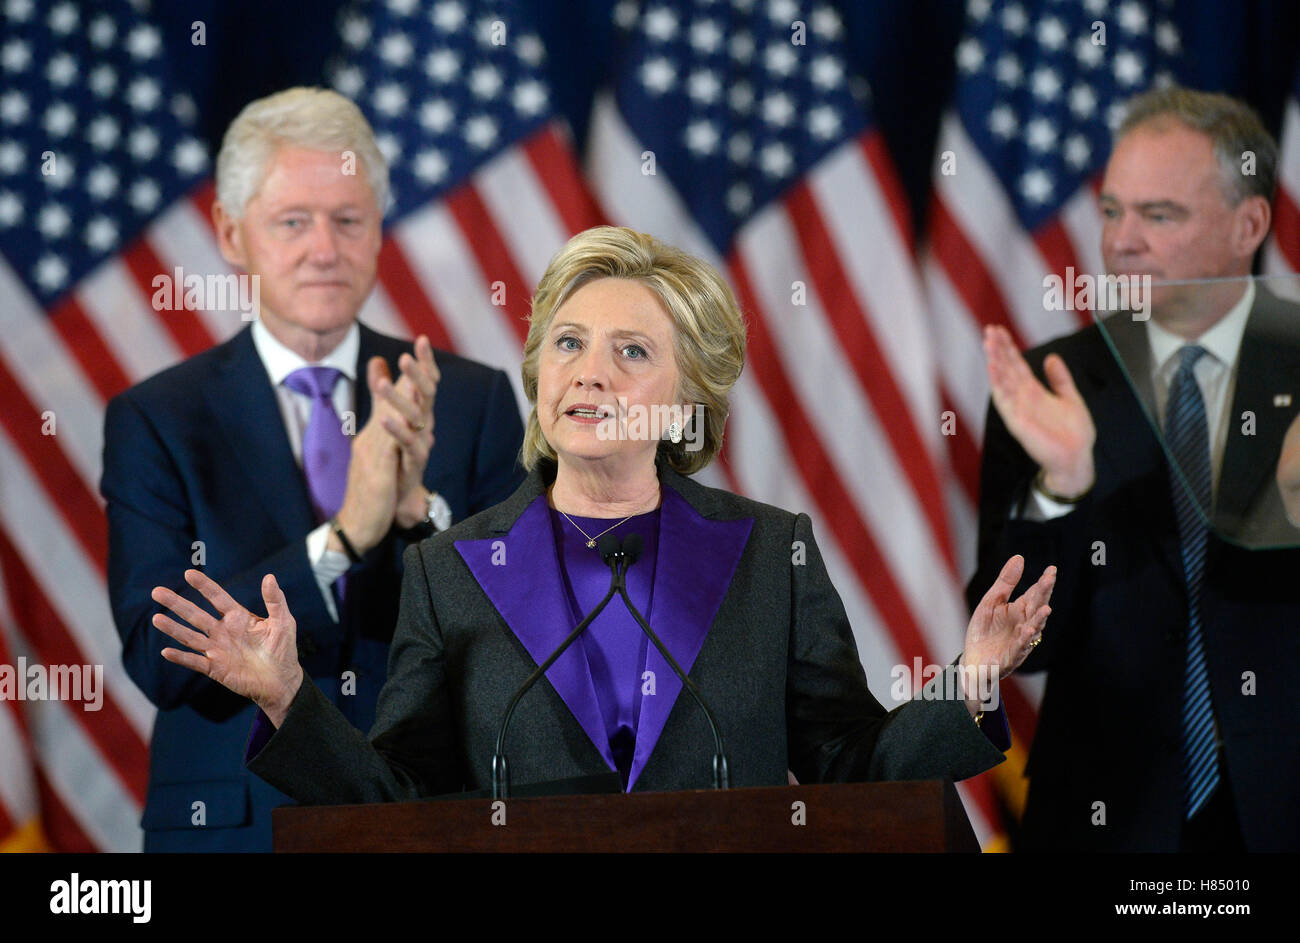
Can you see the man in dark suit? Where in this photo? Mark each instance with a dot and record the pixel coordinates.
(289, 450)
(1169, 720)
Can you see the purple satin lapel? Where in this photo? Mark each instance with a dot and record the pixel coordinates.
(520, 573)
(697, 559)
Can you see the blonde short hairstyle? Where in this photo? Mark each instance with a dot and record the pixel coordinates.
(314, 118)
(708, 335)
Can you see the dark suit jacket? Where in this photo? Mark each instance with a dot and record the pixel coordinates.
(1110, 730)
(199, 453)
(757, 626)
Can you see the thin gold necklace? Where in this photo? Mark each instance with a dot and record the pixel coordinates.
(591, 541)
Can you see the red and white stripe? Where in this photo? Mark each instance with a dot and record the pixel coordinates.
(843, 390)
(92, 766)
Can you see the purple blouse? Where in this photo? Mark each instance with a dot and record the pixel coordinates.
(614, 645)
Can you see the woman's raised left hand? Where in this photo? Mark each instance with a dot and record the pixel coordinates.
(1001, 633)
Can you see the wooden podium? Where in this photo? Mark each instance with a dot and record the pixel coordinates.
(852, 817)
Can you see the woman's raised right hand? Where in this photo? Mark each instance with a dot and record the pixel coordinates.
(257, 658)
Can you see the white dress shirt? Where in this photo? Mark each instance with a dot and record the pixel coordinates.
(1216, 375)
(295, 409)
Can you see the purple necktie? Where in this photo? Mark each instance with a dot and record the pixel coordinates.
(325, 449)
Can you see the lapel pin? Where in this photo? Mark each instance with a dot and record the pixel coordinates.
(1281, 399)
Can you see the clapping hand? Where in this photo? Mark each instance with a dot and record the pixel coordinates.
(1001, 633)
(1053, 426)
(257, 658)
(389, 454)
(405, 411)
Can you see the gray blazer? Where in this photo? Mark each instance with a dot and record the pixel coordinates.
(775, 660)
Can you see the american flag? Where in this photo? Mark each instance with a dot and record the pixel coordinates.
(486, 189)
(734, 129)
(1040, 86)
(97, 165)
(738, 131)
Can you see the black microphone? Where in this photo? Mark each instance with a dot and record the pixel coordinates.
(610, 549)
(608, 546)
(632, 546)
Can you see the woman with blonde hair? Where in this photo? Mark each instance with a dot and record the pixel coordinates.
(632, 349)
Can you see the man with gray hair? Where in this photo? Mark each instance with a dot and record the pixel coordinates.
(1169, 719)
(289, 449)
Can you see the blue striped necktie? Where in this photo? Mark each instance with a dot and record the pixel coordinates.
(1188, 437)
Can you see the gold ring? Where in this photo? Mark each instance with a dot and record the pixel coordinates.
(418, 427)
(1034, 643)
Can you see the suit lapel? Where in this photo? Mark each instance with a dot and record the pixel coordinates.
(519, 572)
(1268, 365)
(696, 561)
(243, 403)
(370, 346)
